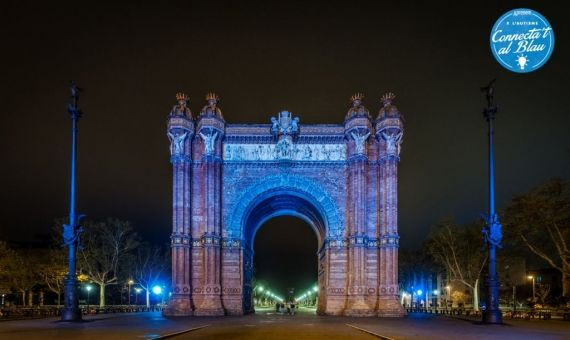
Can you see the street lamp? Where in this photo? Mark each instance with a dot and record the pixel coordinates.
(157, 290)
(130, 283)
(137, 292)
(448, 287)
(492, 231)
(88, 288)
(531, 277)
(71, 231)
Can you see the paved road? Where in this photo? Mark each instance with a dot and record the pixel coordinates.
(266, 324)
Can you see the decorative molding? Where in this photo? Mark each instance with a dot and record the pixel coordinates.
(232, 242)
(387, 241)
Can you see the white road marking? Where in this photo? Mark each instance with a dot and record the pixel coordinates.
(383, 337)
(170, 335)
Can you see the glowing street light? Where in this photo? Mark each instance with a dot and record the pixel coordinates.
(157, 290)
(530, 277)
(315, 289)
(88, 288)
(137, 292)
(130, 282)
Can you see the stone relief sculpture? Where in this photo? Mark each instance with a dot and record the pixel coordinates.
(284, 124)
(177, 142)
(393, 143)
(284, 149)
(209, 140)
(359, 141)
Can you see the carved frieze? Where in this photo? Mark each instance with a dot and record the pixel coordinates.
(284, 150)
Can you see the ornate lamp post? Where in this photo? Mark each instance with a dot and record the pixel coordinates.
(130, 284)
(531, 277)
(137, 291)
(88, 288)
(71, 231)
(492, 231)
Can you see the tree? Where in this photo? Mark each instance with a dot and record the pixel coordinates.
(103, 250)
(540, 219)
(150, 265)
(23, 274)
(7, 265)
(458, 250)
(54, 270)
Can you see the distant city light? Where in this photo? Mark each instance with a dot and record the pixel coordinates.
(157, 290)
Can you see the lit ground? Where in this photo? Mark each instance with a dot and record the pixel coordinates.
(266, 324)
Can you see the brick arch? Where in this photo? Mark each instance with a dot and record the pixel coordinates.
(286, 184)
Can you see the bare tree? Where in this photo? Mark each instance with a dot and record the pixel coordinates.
(541, 220)
(104, 247)
(150, 265)
(458, 250)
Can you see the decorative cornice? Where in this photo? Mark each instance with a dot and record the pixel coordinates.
(232, 242)
(178, 240)
(389, 241)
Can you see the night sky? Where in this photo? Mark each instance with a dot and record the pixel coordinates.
(308, 58)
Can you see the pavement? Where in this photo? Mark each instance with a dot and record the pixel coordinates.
(266, 324)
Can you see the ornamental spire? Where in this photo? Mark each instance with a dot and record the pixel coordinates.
(388, 108)
(211, 108)
(181, 109)
(357, 109)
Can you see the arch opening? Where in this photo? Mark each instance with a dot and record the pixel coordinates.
(285, 263)
(298, 209)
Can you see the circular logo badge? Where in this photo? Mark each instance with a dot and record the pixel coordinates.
(522, 40)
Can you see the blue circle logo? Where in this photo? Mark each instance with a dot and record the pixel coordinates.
(522, 40)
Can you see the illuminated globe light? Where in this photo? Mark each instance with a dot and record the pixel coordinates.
(88, 287)
(260, 289)
(138, 290)
(157, 290)
(435, 292)
(315, 289)
(419, 292)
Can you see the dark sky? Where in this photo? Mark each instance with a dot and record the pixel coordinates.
(309, 58)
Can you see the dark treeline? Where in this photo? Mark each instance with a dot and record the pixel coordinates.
(536, 241)
(111, 258)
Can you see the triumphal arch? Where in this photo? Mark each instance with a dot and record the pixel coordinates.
(229, 179)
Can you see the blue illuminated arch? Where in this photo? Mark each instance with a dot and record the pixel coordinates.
(285, 195)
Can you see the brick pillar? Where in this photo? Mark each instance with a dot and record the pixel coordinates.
(180, 132)
(389, 131)
(210, 131)
(357, 130)
(333, 269)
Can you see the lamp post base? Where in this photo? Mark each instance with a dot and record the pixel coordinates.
(71, 310)
(493, 317)
(71, 314)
